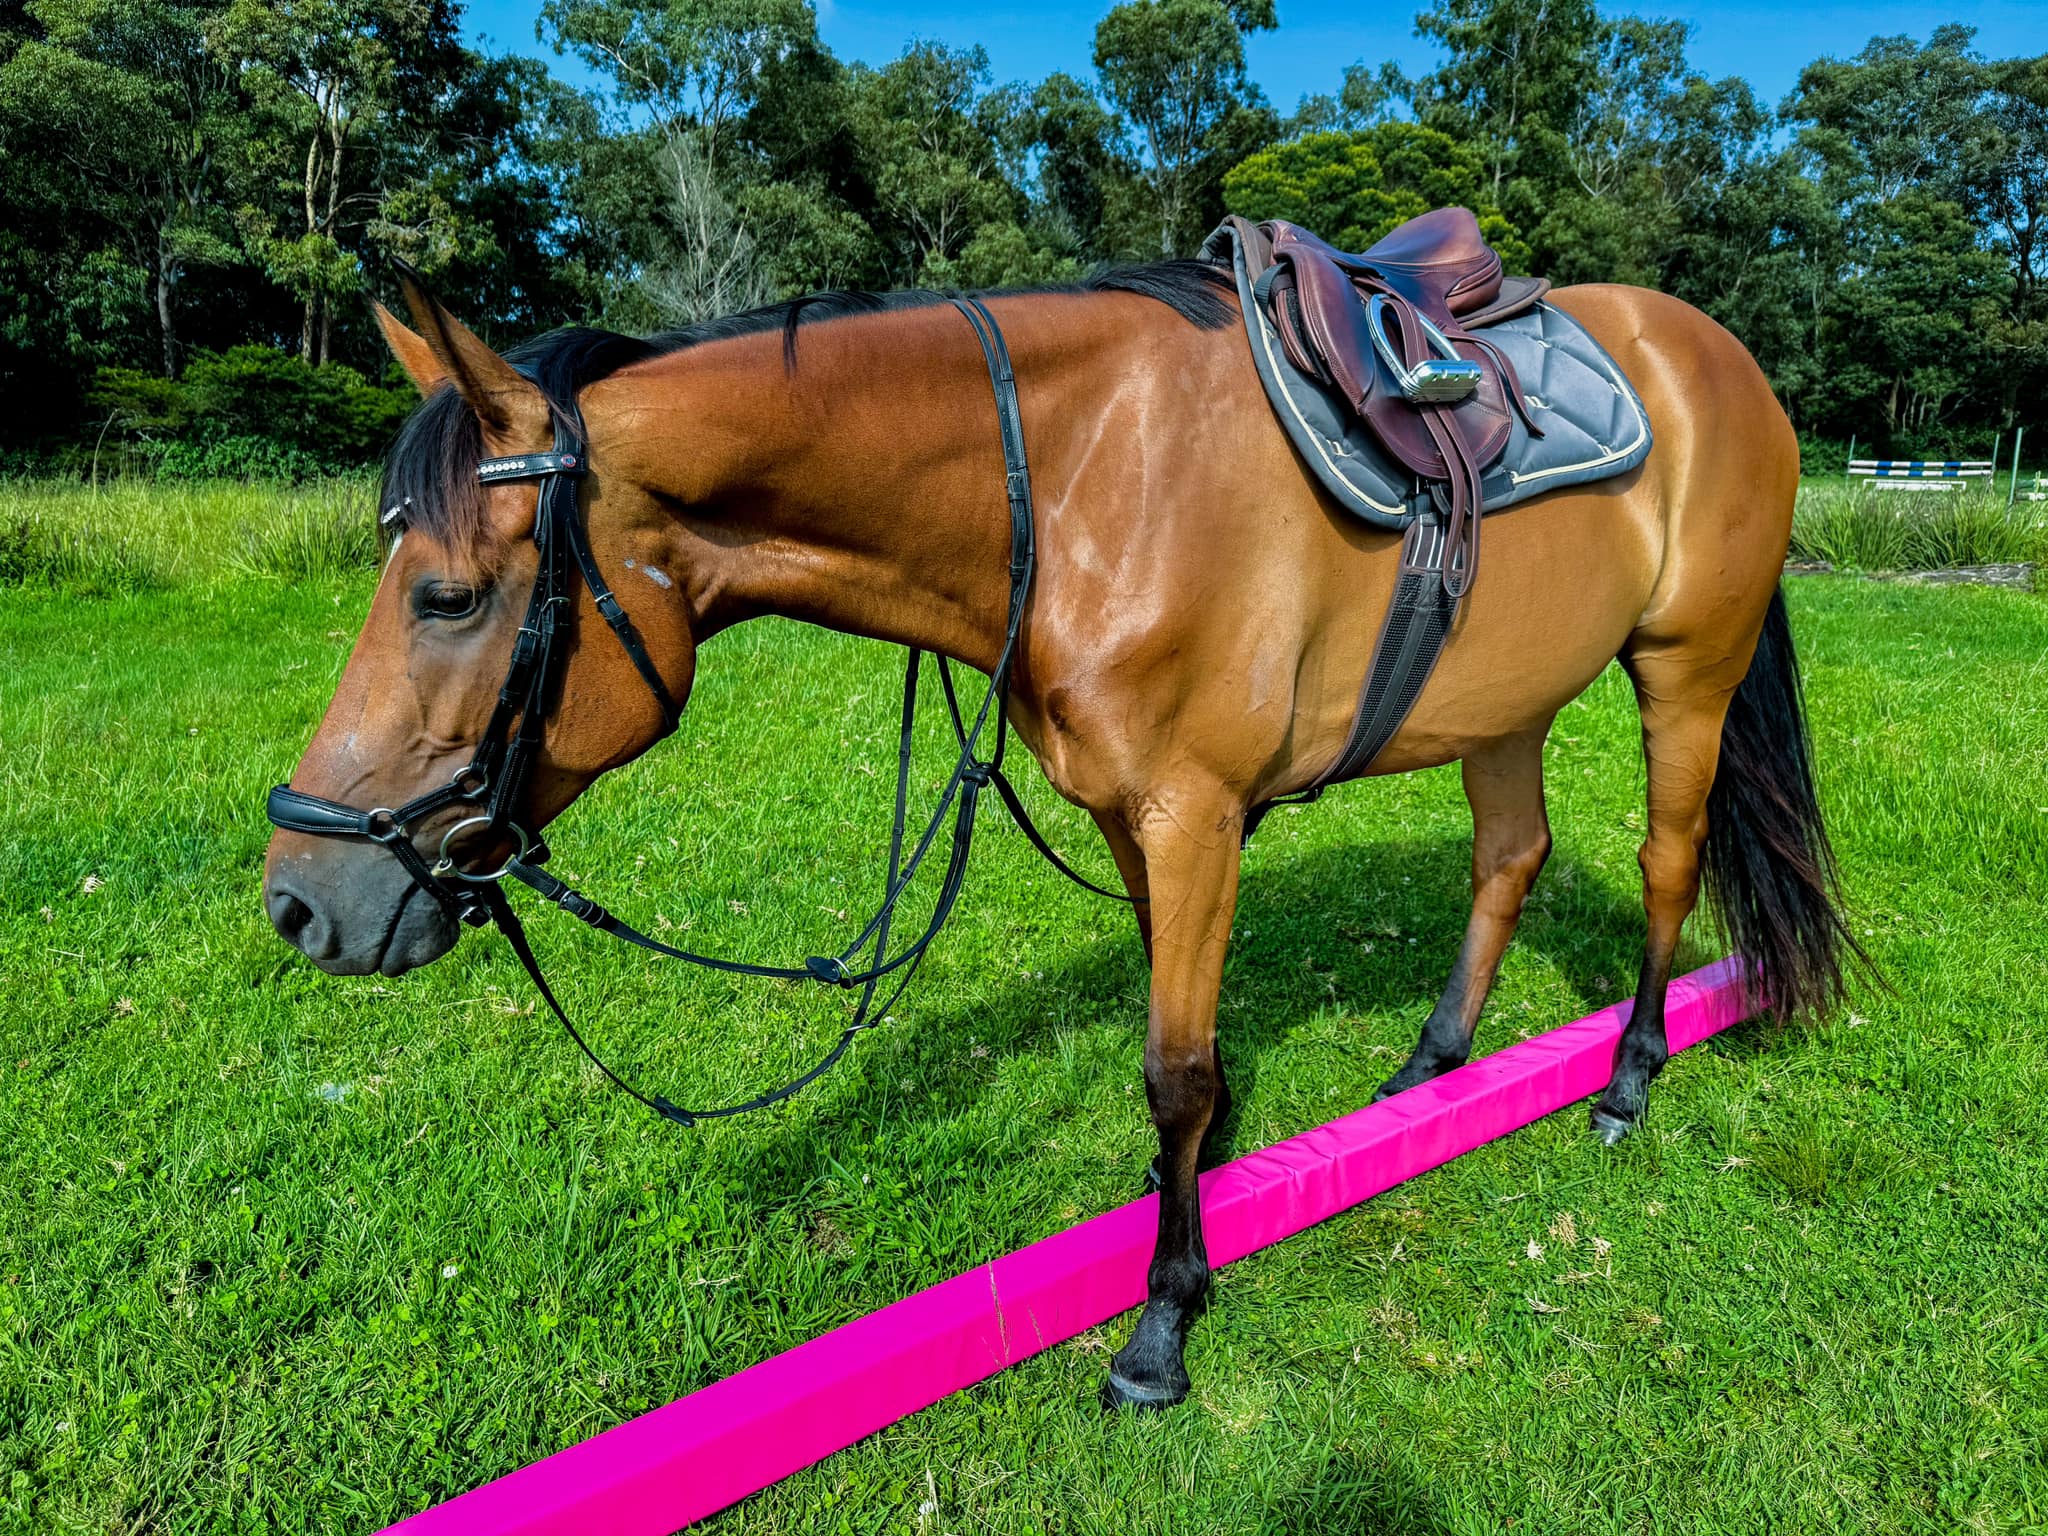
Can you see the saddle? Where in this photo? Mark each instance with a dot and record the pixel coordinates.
(1391, 330)
(1394, 332)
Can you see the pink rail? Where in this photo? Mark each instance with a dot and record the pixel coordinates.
(655, 1474)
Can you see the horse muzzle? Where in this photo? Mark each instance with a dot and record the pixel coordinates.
(352, 910)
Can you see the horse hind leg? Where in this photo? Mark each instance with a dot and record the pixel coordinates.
(1683, 701)
(1510, 841)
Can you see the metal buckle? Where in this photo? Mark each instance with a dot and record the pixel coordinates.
(1429, 382)
(446, 864)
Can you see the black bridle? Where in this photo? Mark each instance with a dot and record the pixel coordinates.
(496, 777)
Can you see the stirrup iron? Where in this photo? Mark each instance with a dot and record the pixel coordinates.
(1434, 380)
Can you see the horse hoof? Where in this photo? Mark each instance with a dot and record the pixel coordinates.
(1118, 1392)
(1610, 1127)
(1413, 1075)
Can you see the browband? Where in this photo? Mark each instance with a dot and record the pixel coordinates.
(529, 466)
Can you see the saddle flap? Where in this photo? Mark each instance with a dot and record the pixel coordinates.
(1319, 310)
(1332, 318)
(1408, 432)
(1282, 298)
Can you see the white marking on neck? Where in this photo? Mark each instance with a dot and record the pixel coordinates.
(653, 573)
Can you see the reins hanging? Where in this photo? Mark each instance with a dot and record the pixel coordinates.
(497, 774)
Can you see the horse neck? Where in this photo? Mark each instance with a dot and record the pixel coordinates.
(863, 490)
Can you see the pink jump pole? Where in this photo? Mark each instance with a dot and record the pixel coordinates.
(655, 1474)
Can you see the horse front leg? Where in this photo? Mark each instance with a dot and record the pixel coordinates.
(1191, 866)
(1130, 863)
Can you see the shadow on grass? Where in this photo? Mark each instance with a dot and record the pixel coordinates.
(1372, 929)
(1351, 1492)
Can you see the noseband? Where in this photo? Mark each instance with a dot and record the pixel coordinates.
(492, 784)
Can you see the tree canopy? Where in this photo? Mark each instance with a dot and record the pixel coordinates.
(198, 194)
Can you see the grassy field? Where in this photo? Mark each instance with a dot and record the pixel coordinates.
(286, 1252)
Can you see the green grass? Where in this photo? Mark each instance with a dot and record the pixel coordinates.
(1850, 525)
(129, 535)
(287, 1252)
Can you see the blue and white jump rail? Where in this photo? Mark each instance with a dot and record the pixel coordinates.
(1919, 474)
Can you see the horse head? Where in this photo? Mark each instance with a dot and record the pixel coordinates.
(432, 719)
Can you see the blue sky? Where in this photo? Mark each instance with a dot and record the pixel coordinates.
(1764, 40)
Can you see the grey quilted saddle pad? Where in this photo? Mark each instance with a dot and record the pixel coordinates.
(1594, 424)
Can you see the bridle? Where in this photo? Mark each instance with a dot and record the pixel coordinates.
(495, 778)
(491, 785)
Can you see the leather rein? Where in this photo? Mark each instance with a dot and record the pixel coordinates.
(491, 785)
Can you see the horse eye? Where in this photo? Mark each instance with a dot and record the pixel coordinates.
(445, 600)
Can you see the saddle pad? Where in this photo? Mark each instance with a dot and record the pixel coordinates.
(1593, 422)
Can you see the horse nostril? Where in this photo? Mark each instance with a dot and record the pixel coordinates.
(299, 924)
(290, 915)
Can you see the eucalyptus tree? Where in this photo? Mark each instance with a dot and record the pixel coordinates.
(1894, 135)
(121, 117)
(690, 70)
(2006, 182)
(929, 149)
(1365, 99)
(1513, 80)
(1175, 69)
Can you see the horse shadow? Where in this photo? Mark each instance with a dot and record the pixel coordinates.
(1362, 930)
(1352, 1490)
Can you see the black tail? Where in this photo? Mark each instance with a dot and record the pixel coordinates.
(1767, 865)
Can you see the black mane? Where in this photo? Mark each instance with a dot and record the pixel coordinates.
(430, 473)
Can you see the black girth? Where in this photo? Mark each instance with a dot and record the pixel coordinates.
(493, 782)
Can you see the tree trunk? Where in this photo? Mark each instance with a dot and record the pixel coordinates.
(306, 323)
(167, 274)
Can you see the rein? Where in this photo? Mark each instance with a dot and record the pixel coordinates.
(496, 776)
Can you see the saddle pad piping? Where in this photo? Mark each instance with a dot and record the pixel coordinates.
(1615, 376)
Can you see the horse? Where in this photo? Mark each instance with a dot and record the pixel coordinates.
(1192, 646)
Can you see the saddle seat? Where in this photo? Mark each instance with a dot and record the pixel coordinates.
(1439, 262)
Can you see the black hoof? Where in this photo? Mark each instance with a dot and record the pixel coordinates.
(1416, 1073)
(1610, 1126)
(1142, 1396)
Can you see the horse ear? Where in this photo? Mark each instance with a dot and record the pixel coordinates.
(411, 350)
(503, 398)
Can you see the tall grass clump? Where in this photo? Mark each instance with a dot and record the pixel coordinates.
(1862, 529)
(127, 533)
(1979, 530)
(325, 530)
(81, 559)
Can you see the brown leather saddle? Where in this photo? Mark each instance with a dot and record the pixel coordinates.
(1395, 331)
(1392, 330)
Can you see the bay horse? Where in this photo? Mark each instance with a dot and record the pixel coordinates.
(1193, 644)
